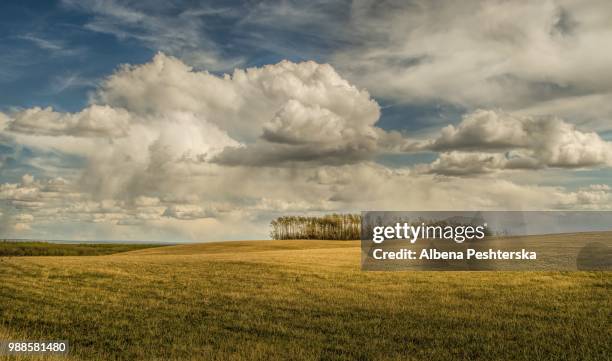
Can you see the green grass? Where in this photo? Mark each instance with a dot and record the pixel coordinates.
(304, 300)
(16, 249)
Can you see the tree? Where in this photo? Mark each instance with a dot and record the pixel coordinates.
(332, 226)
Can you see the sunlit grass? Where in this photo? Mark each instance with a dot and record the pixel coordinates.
(299, 300)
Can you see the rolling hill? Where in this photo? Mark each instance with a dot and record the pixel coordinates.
(304, 300)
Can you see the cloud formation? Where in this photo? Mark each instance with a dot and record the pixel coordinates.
(479, 54)
(485, 141)
(276, 114)
(157, 139)
(93, 121)
(169, 152)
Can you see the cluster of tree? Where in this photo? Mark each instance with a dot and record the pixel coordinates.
(333, 226)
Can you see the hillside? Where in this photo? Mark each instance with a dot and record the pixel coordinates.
(264, 300)
(244, 247)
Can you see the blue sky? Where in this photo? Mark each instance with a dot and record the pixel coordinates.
(50, 59)
(118, 121)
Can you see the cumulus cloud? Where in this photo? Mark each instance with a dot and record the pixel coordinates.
(34, 195)
(93, 121)
(301, 133)
(593, 197)
(466, 164)
(296, 123)
(274, 115)
(19, 192)
(167, 152)
(4, 120)
(144, 201)
(22, 222)
(187, 212)
(241, 202)
(21, 227)
(243, 102)
(57, 200)
(482, 130)
(485, 141)
(24, 218)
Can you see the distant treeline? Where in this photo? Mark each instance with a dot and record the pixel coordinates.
(16, 249)
(333, 226)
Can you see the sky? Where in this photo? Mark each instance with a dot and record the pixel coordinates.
(199, 121)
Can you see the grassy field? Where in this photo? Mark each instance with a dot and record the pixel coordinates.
(303, 300)
(13, 249)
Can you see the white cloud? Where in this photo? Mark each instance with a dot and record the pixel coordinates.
(593, 197)
(188, 212)
(43, 43)
(53, 47)
(143, 201)
(4, 120)
(592, 111)
(477, 54)
(21, 227)
(22, 222)
(273, 115)
(538, 58)
(27, 179)
(165, 175)
(296, 123)
(240, 103)
(466, 164)
(13, 191)
(600, 187)
(24, 218)
(487, 140)
(484, 129)
(238, 203)
(93, 121)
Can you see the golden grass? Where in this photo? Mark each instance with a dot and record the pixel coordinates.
(276, 300)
